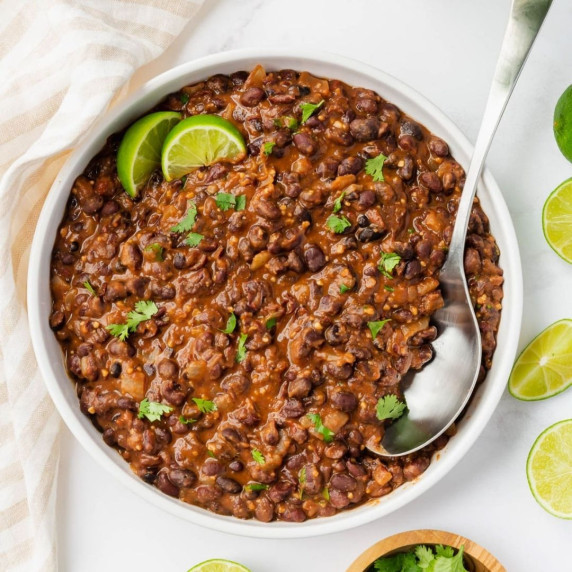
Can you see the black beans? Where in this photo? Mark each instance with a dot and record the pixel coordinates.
(410, 128)
(438, 147)
(314, 258)
(350, 166)
(293, 408)
(164, 484)
(431, 181)
(367, 199)
(305, 143)
(228, 485)
(365, 129)
(252, 97)
(236, 466)
(300, 387)
(343, 483)
(57, 320)
(344, 401)
(182, 478)
(115, 369)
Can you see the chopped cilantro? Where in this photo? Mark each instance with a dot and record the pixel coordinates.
(320, 428)
(308, 109)
(388, 288)
(267, 147)
(374, 167)
(344, 289)
(230, 324)
(240, 203)
(258, 456)
(193, 239)
(302, 477)
(188, 221)
(157, 249)
(204, 405)
(270, 323)
(89, 288)
(143, 311)
(152, 410)
(422, 558)
(338, 224)
(211, 454)
(387, 262)
(257, 486)
(326, 493)
(375, 327)
(226, 201)
(184, 98)
(389, 407)
(338, 202)
(186, 421)
(241, 351)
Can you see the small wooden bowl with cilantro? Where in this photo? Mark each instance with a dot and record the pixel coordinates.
(426, 551)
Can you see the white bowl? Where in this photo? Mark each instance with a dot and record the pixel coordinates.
(48, 351)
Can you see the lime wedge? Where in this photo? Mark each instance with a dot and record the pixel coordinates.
(219, 565)
(549, 469)
(140, 150)
(198, 141)
(544, 368)
(563, 123)
(557, 220)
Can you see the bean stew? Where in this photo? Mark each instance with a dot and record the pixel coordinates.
(247, 376)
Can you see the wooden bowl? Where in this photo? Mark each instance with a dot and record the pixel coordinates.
(476, 557)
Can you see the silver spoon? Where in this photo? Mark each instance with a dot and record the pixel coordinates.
(437, 394)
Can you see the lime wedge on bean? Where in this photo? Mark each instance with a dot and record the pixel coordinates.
(140, 150)
(557, 220)
(549, 469)
(199, 141)
(544, 368)
(219, 565)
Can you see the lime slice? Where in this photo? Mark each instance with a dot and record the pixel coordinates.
(563, 123)
(549, 469)
(200, 140)
(544, 368)
(140, 150)
(557, 220)
(219, 565)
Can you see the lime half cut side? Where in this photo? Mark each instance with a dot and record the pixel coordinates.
(544, 368)
(549, 469)
(219, 565)
(140, 151)
(557, 220)
(199, 141)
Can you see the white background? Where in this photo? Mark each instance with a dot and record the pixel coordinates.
(446, 49)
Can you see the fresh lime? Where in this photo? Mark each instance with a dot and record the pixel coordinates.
(140, 150)
(563, 123)
(557, 220)
(544, 368)
(200, 140)
(219, 565)
(549, 469)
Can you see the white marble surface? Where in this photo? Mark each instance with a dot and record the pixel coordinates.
(447, 50)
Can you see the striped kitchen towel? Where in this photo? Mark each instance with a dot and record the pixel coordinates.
(62, 62)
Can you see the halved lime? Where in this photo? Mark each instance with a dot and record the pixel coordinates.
(219, 565)
(140, 150)
(544, 368)
(563, 123)
(198, 141)
(549, 469)
(557, 220)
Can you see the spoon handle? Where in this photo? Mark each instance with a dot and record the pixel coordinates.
(526, 17)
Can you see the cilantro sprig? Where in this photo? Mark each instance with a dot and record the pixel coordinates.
(143, 311)
(186, 420)
(193, 239)
(267, 147)
(423, 559)
(374, 167)
(338, 224)
(308, 110)
(376, 327)
(226, 201)
(387, 263)
(257, 486)
(230, 324)
(320, 428)
(344, 288)
(87, 285)
(338, 202)
(389, 407)
(188, 221)
(152, 410)
(258, 456)
(241, 350)
(205, 405)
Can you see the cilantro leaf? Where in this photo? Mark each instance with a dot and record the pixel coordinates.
(374, 167)
(89, 288)
(185, 420)
(157, 249)
(230, 324)
(424, 556)
(401, 562)
(184, 98)
(338, 202)
(320, 428)
(267, 147)
(308, 109)
(291, 123)
(388, 288)
(193, 239)
(257, 486)
(187, 223)
(446, 551)
(211, 454)
(375, 327)
(225, 201)
(241, 351)
(389, 407)
(204, 405)
(344, 288)
(258, 456)
(270, 323)
(338, 224)
(120, 331)
(450, 564)
(302, 477)
(326, 493)
(240, 203)
(387, 262)
(152, 410)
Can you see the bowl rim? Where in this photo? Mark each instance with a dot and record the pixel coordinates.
(51, 363)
